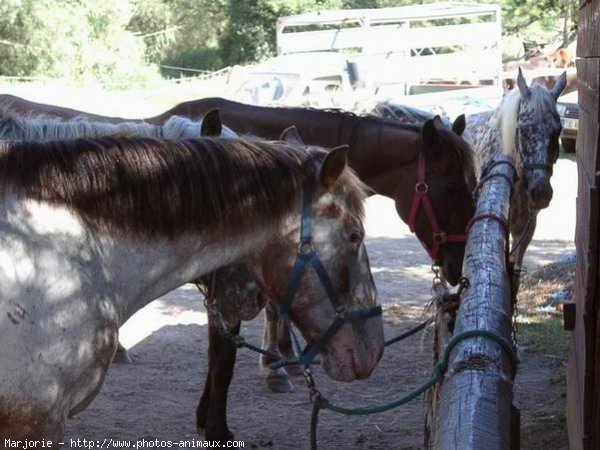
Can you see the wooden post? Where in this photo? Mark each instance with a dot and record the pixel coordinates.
(476, 395)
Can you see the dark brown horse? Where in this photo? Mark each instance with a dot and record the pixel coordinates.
(384, 154)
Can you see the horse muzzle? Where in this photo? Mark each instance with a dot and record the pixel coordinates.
(355, 351)
(540, 194)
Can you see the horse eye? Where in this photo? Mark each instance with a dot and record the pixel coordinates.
(356, 237)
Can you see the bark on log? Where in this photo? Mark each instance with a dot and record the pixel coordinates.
(476, 395)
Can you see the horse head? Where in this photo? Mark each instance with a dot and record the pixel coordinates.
(533, 125)
(435, 200)
(323, 281)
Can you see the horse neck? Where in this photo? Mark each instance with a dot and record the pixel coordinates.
(484, 134)
(315, 127)
(165, 265)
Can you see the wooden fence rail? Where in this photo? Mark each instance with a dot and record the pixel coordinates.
(476, 396)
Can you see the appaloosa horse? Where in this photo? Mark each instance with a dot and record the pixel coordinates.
(391, 159)
(91, 230)
(43, 128)
(525, 125)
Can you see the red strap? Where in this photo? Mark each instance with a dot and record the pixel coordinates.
(422, 197)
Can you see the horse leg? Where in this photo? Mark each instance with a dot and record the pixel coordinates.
(278, 380)
(211, 414)
(521, 240)
(121, 356)
(284, 343)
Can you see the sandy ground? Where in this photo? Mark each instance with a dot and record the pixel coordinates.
(156, 396)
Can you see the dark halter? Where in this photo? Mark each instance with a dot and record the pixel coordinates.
(308, 256)
(421, 198)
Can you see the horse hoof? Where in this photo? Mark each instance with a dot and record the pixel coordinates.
(122, 357)
(280, 383)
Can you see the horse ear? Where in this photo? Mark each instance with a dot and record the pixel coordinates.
(459, 125)
(439, 123)
(430, 134)
(523, 88)
(291, 136)
(559, 86)
(334, 164)
(211, 124)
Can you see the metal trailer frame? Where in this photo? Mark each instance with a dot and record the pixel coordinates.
(391, 41)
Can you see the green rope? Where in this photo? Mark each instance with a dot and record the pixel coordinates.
(408, 333)
(438, 374)
(239, 342)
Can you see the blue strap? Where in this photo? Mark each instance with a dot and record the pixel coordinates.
(311, 351)
(307, 254)
(325, 280)
(294, 283)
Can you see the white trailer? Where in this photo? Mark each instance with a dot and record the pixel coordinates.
(421, 48)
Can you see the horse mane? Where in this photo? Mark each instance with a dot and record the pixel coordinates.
(463, 155)
(148, 187)
(509, 120)
(32, 127)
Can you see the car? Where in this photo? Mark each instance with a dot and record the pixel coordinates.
(318, 79)
(568, 109)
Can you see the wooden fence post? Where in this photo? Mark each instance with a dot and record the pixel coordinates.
(476, 395)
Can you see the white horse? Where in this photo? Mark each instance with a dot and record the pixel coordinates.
(93, 230)
(44, 128)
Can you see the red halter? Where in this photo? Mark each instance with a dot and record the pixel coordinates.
(422, 197)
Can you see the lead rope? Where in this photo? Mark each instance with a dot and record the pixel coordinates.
(439, 370)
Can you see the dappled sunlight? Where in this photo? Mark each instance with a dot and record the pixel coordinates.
(161, 313)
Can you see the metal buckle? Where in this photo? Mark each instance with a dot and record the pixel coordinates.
(439, 237)
(306, 248)
(421, 188)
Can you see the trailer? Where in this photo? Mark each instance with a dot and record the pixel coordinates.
(409, 49)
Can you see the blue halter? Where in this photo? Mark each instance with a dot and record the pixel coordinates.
(308, 256)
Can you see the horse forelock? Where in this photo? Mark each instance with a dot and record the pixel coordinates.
(459, 152)
(146, 187)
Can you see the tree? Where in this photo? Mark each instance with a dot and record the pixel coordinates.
(250, 32)
(78, 40)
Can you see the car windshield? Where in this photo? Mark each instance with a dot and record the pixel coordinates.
(266, 88)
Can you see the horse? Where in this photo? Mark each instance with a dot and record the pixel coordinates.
(381, 152)
(44, 128)
(525, 125)
(94, 229)
(386, 157)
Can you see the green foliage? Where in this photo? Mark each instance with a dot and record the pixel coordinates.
(202, 58)
(107, 40)
(78, 40)
(250, 33)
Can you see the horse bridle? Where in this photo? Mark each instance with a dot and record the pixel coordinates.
(307, 255)
(527, 166)
(421, 199)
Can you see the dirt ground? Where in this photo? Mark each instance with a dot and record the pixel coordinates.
(156, 396)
